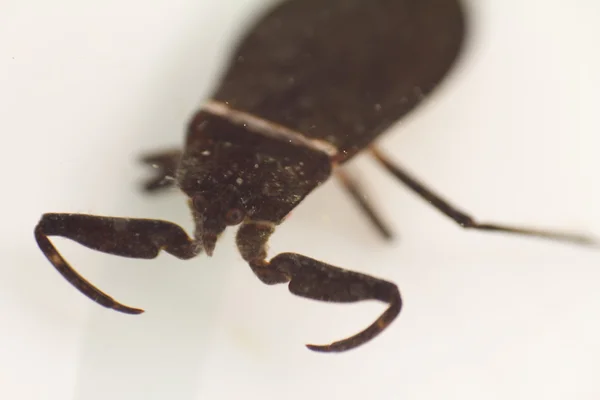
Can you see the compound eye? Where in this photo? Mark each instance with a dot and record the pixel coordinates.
(199, 202)
(234, 216)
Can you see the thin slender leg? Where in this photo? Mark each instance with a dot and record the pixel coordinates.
(165, 163)
(465, 220)
(313, 279)
(358, 195)
(126, 237)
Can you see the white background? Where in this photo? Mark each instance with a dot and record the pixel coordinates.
(85, 87)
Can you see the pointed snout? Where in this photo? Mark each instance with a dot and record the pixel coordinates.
(209, 241)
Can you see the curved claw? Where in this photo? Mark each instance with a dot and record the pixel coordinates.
(316, 280)
(367, 334)
(78, 281)
(126, 237)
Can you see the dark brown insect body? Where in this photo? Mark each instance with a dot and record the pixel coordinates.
(314, 83)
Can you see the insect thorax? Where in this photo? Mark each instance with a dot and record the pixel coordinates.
(268, 172)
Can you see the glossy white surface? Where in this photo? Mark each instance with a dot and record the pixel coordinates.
(513, 137)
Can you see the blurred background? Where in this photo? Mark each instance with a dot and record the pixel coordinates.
(512, 136)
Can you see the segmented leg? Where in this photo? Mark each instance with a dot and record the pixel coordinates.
(165, 163)
(358, 195)
(126, 237)
(313, 279)
(465, 220)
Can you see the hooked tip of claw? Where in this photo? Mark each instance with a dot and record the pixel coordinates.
(323, 348)
(127, 310)
(316, 348)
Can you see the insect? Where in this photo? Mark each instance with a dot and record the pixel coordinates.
(312, 84)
